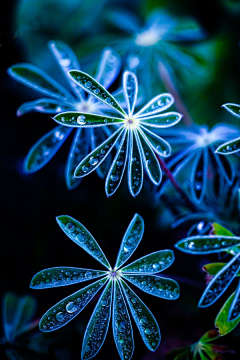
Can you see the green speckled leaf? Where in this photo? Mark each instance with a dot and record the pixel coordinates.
(77, 119)
(221, 322)
(229, 147)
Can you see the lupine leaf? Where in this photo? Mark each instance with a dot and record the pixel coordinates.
(117, 168)
(161, 120)
(229, 147)
(226, 167)
(233, 109)
(164, 288)
(62, 276)
(131, 240)
(68, 308)
(149, 159)
(152, 263)
(79, 119)
(199, 176)
(98, 136)
(47, 106)
(45, 149)
(38, 80)
(221, 322)
(234, 311)
(218, 229)
(109, 67)
(130, 86)
(67, 60)
(220, 282)
(160, 103)
(82, 237)
(121, 323)
(135, 167)
(209, 336)
(97, 327)
(98, 155)
(145, 321)
(161, 146)
(213, 268)
(206, 244)
(94, 88)
(79, 149)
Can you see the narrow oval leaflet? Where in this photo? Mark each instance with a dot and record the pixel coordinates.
(234, 311)
(68, 308)
(207, 244)
(117, 168)
(161, 146)
(223, 325)
(97, 327)
(97, 156)
(44, 150)
(135, 166)
(130, 86)
(121, 323)
(229, 147)
(199, 176)
(109, 67)
(82, 237)
(152, 263)
(226, 167)
(131, 240)
(62, 276)
(38, 80)
(233, 109)
(161, 120)
(98, 136)
(160, 103)
(94, 88)
(47, 106)
(145, 321)
(79, 119)
(220, 282)
(164, 288)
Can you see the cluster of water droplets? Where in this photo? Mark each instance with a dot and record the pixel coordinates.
(167, 119)
(234, 146)
(211, 243)
(161, 103)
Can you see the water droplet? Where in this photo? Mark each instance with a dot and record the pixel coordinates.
(147, 331)
(81, 119)
(88, 275)
(156, 266)
(88, 84)
(114, 177)
(93, 161)
(71, 307)
(85, 168)
(60, 316)
(121, 325)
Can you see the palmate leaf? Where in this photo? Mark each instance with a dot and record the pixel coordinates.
(130, 86)
(160, 103)
(45, 149)
(145, 321)
(234, 311)
(94, 88)
(79, 119)
(221, 322)
(47, 106)
(82, 237)
(121, 323)
(135, 166)
(130, 241)
(220, 282)
(68, 308)
(164, 288)
(152, 263)
(233, 109)
(97, 327)
(229, 147)
(161, 146)
(109, 67)
(161, 120)
(207, 244)
(62, 276)
(98, 155)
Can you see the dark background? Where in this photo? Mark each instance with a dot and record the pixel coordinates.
(31, 239)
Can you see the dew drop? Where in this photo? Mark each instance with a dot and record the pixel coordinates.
(71, 307)
(114, 177)
(81, 119)
(60, 316)
(93, 161)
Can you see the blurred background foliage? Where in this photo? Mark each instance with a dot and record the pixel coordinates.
(31, 239)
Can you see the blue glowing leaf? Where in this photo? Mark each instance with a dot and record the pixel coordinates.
(67, 60)
(121, 323)
(98, 136)
(82, 237)
(150, 161)
(79, 149)
(78, 119)
(160, 103)
(226, 167)
(199, 176)
(94, 88)
(38, 80)
(145, 321)
(117, 168)
(229, 147)
(68, 308)
(109, 67)
(164, 288)
(46, 147)
(234, 311)
(97, 327)
(233, 109)
(47, 106)
(131, 240)
(220, 282)
(152, 263)
(135, 166)
(161, 120)
(130, 86)
(98, 155)
(207, 244)
(62, 276)
(161, 146)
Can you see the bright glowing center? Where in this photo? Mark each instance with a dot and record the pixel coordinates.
(113, 274)
(150, 36)
(131, 122)
(87, 106)
(205, 138)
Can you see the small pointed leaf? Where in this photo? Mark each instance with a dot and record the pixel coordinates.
(218, 229)
(160, 103)
(78, 119)
(221, 322)
(234, 311)
(109, 67)
(135, 167)
(229, 147)
(161, 146)
(47, 106)
(161, 120)
(199, 176)
(130, 86)
(233, 109)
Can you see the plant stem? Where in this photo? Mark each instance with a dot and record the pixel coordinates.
(175, 183)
